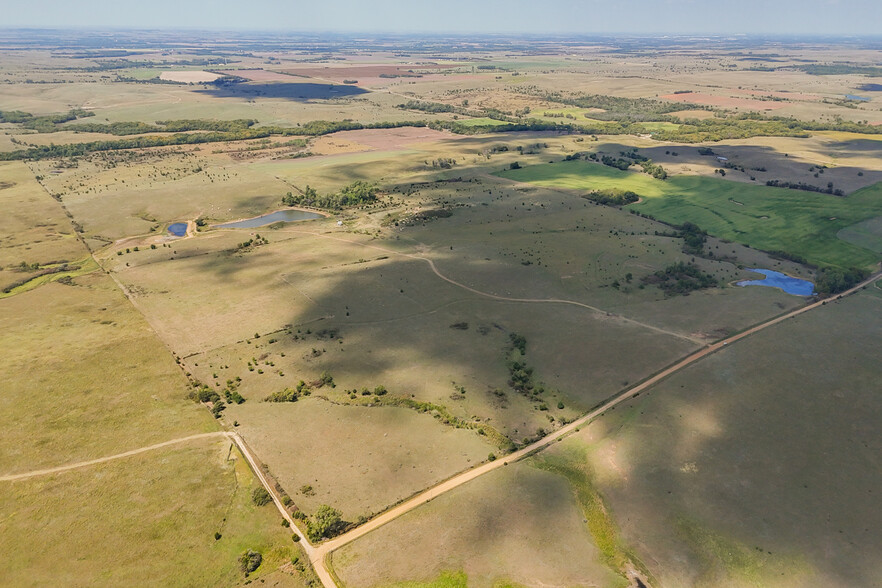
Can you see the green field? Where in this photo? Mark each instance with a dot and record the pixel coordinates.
(772, 219)
(866, 234)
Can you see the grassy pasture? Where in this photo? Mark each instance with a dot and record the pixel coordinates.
(86, 378)
(146, 520)
(731, 472)
(866, 234)
(60, 343)
(517, 526)
(800, 222)
(357, 459)
(113, 199)
(34, 227)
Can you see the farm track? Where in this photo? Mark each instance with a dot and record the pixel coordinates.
(82, 464)
(453, 282)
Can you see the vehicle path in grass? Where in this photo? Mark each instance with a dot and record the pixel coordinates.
(82, 464)
(232, 436)
(483, 294)
(322, 551)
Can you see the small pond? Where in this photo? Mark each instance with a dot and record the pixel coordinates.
(774, 279)
(178, 229)
(281, 216)
(860, 98)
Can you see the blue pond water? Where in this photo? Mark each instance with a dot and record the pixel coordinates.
(778, 280)
(853, 97)
(178, 229)
(284, 216)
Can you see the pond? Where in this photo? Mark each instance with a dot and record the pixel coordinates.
(860, 98)
(774, 279)
(178, 229)
(281, 216)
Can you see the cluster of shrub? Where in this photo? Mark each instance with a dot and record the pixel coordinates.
(615, 108)
(832, 280)
(302, 389)
(613, 197)
(45, 123)
(680, 278)
(255, 241)
(807, 187)
(693, 237)
(202, 393)
(230, 131)
(355, 194)
(327, 522)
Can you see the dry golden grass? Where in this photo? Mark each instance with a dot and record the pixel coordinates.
(357, 459)
(86, 377)
(516, 525)
(146, 520)
(34, 227)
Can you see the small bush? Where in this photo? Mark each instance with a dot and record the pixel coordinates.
(261, 497)
(250, 561)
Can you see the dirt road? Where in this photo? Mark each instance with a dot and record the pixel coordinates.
(82, 464)
(320, 553)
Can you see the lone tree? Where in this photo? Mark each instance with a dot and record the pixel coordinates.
(326, 522)
(249, 561)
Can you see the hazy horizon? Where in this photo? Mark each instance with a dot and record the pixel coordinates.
(565, 18)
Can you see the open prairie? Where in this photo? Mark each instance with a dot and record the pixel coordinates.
(692, 470)
(511, 241)
(86, 378)
(519, 526)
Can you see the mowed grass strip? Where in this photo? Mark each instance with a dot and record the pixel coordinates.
(796, 221)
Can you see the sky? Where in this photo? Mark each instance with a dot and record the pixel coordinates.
(766, 17)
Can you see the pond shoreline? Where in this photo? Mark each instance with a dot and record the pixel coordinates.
(785, 283)
(318, 213)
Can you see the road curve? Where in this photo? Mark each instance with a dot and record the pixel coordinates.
(438, 273)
